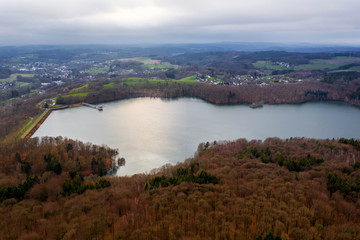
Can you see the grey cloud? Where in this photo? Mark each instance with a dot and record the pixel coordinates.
(129, 21)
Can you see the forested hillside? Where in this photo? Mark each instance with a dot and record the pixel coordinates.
(276, 189)
(273, 94)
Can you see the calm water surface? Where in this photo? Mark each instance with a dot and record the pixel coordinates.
(152, 132)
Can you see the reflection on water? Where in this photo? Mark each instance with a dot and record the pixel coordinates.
(152, 132)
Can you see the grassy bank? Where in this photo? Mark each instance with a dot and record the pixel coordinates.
(26, 127)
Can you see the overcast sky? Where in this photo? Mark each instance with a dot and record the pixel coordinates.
(25, 22)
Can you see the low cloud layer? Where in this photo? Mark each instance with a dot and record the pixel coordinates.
(163, 21)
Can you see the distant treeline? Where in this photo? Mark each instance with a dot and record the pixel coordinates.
(318, 93)
(246, 58)
(356, 94)
(352, 142)
(274, 94)
(346, 76)
(4, 72)
(279, 72)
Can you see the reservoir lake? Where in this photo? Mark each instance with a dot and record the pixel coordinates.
(150, 132)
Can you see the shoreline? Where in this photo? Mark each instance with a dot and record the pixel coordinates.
(210, 102)
(224, 95)
(36, 125)
(28, 134)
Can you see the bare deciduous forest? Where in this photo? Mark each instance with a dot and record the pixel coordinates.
(282, 187)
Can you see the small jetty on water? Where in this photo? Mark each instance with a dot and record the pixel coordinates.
(257, 105)
(100, 108)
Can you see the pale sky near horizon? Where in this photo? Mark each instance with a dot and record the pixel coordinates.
(178, 21)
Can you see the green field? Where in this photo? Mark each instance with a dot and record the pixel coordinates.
(109, 85)
(76, 95)
(335, 71)
(132, 81)
(330, 64)
(80, 89)
(99, 70)
(156, 81)
(357, 68)
(268, 65)
(162, 65)
(23, 84)
(150, 63)
(14, 76)
(191, 79)
(144, 60)
(79, 96)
